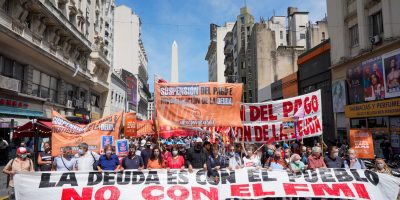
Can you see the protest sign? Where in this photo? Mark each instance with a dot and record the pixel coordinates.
(106, 140)
(66, 133)
(145, 127)
(130, 124)
(198, 104)
(281, 119)
(361, 141)
(247, 183)
(122, 147)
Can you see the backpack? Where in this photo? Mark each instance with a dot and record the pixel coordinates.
(12, 162)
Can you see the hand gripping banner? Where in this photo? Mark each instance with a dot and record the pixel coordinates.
(244, 183)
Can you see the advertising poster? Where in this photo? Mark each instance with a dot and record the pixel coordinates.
(198, 104)
(130, 126)
(66, 133)
(339, 96)
(132, 89)
(373, 80)
(361, 141)
(278, 120)
(122, 147)
(391, 63)
(246, 183)
(355, 84)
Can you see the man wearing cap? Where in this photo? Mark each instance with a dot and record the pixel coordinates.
(196, 157)
(20, 164)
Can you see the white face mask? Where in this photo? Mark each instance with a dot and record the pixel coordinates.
(380, 165)
(297, 161)
(81, 152)
(335, 155)
(174, 153)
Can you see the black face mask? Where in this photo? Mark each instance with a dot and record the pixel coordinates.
(148, 146)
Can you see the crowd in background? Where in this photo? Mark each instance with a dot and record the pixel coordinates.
(192, 153)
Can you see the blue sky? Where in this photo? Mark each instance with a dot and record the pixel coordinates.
(187, 22)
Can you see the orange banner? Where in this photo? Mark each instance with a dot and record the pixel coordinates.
(130, 124)
(198, 104)
(361, 141)
(145, 128)
(66, 133)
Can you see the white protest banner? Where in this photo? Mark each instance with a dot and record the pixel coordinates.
(269, 120)
(248, 183)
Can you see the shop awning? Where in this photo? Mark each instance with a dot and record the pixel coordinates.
(20, 111)
(28, 129)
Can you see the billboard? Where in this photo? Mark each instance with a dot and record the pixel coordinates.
(391, 63)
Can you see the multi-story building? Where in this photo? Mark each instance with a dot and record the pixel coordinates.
(151, 108)
(316, 33)
(365, 55)
(277, 24)
(53, 56)
(130, 54)
(215, 54)
(117, 98)
(297, 22)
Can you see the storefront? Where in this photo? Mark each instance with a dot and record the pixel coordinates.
(315, 74)
(382, 118)
(289, 86)
(370, 83)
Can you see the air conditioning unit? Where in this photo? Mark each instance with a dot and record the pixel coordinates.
(69, 104)
(375, 39)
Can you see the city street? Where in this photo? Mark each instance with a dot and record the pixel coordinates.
(3, 184)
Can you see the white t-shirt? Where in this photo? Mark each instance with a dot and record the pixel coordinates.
(63, 164)
(85, 162)
(251, 162)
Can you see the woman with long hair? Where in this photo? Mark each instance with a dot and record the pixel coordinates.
(176, 161)
(382, 167)
(156, 160)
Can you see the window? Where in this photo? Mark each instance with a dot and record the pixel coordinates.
(353, 35)
(243, 65)
(281, 34)
(323, 35)
(242, 19)
(44, 86)
(11, 68)
(302, 36)
(376, 24)
(244, 80)
(94, 100)
(244, 97)
(8, 67)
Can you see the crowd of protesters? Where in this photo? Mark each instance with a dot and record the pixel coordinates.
(191, 153)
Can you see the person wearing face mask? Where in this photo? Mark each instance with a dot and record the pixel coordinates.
(251, 159)
(381, 167)
(44, 158)
(196, 156)
(304, 155)
(19, 164)
(133, 161)
(333, 160)
(85, 159)
(176, 161)
(287, 154)
(352, 162)
(276, 162)
(295, 163)
(155, 161)
(66, 161)
(108, 161)
(234, 158)
(146, 153)
(316, 161)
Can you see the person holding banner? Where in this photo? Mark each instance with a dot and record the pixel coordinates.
(66, 161)
(109, 161)
(132, 161)
(155, 160)
(251, 159)
(86, 160)
(295, 164)
(352, 162)
(276, 162)
(234, 158)
(333, 160)
(215, 162)
(176, 161)
(196, 156)
(146, 153)
(44, 158)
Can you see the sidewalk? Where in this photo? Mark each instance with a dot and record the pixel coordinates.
(3, 184)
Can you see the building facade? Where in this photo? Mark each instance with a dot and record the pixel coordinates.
(316, 33)
(130, 55)
(117, 98)
(54, 56)
(297, 22)
(215, 54)
(365, 54)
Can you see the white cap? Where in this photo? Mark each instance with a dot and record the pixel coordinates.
(199, 140)
(142, 143)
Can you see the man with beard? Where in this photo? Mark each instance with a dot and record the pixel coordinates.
(196, 157)
(146, 153)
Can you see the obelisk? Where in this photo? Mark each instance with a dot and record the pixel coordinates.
(174, 63)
